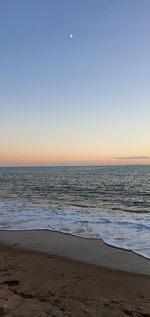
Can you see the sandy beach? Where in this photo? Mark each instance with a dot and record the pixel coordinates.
(59, 282)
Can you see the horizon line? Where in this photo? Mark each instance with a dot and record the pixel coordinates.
(74, 165)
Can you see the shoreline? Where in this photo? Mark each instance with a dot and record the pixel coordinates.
(45, 273)
(91, 251)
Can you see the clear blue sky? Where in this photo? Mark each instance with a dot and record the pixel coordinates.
(79, 99)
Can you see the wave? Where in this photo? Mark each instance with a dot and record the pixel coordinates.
(137, 211)
(115, 228)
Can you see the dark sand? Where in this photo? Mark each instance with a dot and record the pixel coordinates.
(46, 284)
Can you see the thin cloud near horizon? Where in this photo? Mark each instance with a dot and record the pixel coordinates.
(132, 157)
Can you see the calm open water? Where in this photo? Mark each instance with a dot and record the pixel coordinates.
(110, 203)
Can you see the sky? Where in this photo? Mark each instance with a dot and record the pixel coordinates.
(74, 82)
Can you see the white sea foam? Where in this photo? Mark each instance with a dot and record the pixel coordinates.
(113, 227)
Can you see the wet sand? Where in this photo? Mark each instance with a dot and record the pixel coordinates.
(85, 250)
(74, 277)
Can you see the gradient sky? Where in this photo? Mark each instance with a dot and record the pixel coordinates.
(79, 100)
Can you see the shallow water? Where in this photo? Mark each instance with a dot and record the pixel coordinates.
(110, 203)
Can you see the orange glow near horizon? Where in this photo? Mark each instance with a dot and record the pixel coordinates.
(23, 158)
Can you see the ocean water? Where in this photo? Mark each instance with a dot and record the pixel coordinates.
(111, 203)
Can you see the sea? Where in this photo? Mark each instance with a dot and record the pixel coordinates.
(109, 203)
